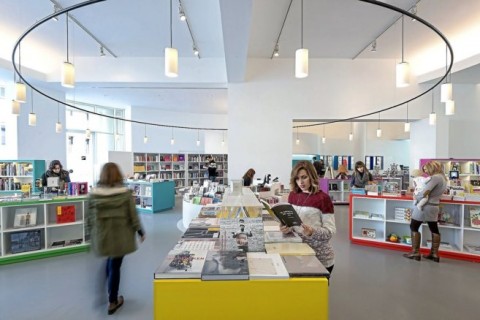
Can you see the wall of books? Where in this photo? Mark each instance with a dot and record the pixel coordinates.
(183, 169)
(16, 175)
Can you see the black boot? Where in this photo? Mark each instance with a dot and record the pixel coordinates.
(415, 253)
(433, 255)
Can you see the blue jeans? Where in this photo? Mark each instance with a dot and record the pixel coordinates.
(113, 278)
(212, 178)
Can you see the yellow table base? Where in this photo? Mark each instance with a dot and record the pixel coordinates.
(295, 298)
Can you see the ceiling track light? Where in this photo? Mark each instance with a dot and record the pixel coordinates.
(196, 51)
(301, 55)
(374, 46)
(276, 51)
(171, 54)
(102, 52)
(280, 32)
(403, 68)
(414, 11)
(55, 10)
(181, 13)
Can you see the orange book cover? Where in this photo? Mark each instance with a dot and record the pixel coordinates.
(65, 214)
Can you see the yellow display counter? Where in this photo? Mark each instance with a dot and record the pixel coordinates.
(294, 298)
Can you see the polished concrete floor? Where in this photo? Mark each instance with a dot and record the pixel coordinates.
(367, 283)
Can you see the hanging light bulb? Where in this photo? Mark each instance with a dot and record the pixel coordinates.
(198, 137)
(68, 69)
(15, 107)
(432, 118)
(350, 137)
(407, 123)
(379, 130)
(32, 117)
(58, 124)
(171, 54)
(403, 68)
(324, 139)
(145, 137)
(301, 55)
(450, 108)
(172, 140)
(297, 141)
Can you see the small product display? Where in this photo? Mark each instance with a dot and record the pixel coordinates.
(392, 237)
(65, 214)
(475, 218)
(24, 241)
(369, 233)
(25, 217)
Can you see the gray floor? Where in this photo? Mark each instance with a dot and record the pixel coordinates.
(367, 283)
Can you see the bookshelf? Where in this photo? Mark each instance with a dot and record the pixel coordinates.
(15, 173)
(46, 235)
(151, 197)
(181, 168)
(337, 189)
(373, 218)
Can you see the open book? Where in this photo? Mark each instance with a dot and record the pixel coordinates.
(285, 213)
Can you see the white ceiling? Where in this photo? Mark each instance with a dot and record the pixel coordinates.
(227, 33)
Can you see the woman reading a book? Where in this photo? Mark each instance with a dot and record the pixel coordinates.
(113, 221)
(315, 208)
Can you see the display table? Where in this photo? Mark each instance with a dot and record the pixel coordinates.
(294, 298)
(189, 211)
(374, 218)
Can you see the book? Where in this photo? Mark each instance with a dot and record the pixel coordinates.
(209, 212)
(25, 217)
(198, 244)
(278, 236)
(304, 266)
(244, 234)
(65, 214)
(204, 223)
(263, 265)
(290, 249)
(286, 214)
(200, 233)
(225, 265)
(182, 264)
(56, 244)
(24, 241)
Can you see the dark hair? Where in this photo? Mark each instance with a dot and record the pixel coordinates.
(249, 174)
(55, 163)
(110, 176)
(311, 172)
(359, 164)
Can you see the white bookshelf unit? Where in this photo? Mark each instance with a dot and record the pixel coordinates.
(374, 218)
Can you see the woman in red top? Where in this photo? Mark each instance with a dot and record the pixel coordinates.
(315, 208)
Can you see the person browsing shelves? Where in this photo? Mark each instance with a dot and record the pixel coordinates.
(361, 176)
(248, 177)
(315, 208)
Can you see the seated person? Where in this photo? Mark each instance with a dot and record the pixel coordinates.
(55, 169)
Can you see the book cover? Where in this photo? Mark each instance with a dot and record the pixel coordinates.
(278, 236)
(25, 217)
(290, 249)
(182, 264)
(263, 265)
(244, 234)
(204, 223)
(56, 244)
(286, 214)
(225, 265)
(24, 241)
(305, 266)
(65, 214)
(200, 233)
(206, 244)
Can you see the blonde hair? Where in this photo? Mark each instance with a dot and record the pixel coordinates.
(416, 173)
(311, 173)
(434, 167)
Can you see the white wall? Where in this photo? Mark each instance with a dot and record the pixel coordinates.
(10, 149)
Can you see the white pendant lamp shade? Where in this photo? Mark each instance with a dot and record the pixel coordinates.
(172, 141)
(350, 137)
(198, 142)
(324, 140)
(407, 127)
(145, 139)
(20, 92)
(450, 108)
(301, 63)
(379, 133)
(68, 75)
(88, 133)
(58, 127)
(432, 119)
(32, 119)
(403, 74)
(297, 142)
(446, 92)
(15, 107)
(171, 62)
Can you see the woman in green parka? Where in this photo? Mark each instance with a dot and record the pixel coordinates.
(113, 222)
